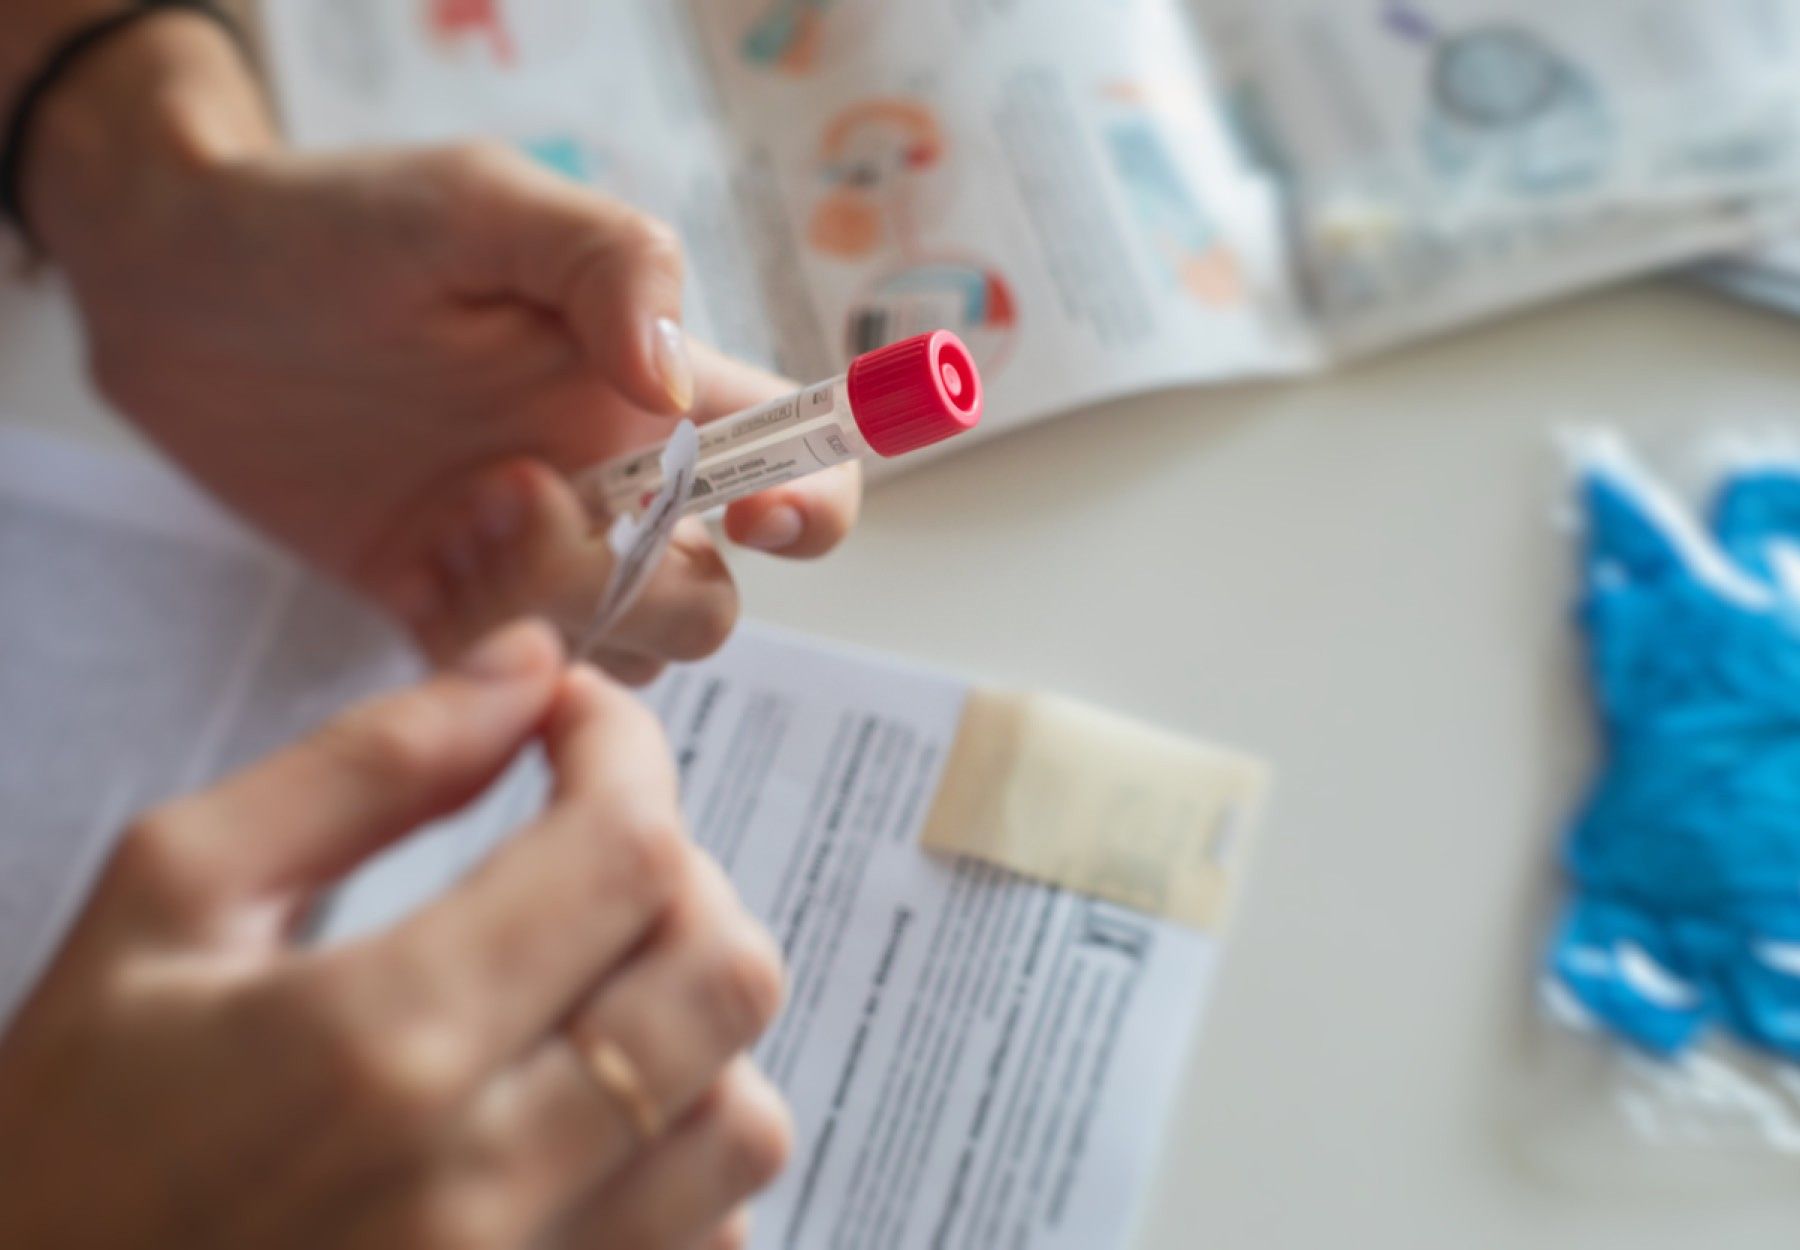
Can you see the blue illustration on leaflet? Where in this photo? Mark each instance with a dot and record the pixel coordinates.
(1685, 860)
(788, 35)
(562, 154)
(1507, 107)
(1187, 242)
(580, 159)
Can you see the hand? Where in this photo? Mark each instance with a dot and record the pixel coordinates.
(186, 1075)
(390, 362)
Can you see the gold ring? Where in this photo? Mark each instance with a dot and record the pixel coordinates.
(618, 1077)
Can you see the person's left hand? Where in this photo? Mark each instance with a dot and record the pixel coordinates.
(391, 363)
(553, 1052)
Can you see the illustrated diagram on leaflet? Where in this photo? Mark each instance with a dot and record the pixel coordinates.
(458, 22)
(514, 37)
(1507, 108)
(795, 37)
(1184, 237)
(885, 174)
(577, 158)
(884, 180)
(947, 293)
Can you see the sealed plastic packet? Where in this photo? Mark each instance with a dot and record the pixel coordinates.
(1671, 977)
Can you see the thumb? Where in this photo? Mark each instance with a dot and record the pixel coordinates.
(306, 816)
(614, 275)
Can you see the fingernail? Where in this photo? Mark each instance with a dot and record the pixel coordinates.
(508, 653)
(776, 530)
(499, 508)
(674, 364)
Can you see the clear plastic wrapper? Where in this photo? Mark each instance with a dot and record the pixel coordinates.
(1665, 1050)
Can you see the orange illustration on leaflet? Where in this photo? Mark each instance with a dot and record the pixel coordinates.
(788, 36)
(882, 163)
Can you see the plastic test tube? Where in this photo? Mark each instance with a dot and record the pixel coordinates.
(898, 399)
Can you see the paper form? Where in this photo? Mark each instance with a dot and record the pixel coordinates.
(974, 1059)
(147, 645)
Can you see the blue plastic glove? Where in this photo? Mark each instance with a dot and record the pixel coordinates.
(1685, 861)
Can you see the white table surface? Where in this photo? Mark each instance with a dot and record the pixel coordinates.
(1360, 577)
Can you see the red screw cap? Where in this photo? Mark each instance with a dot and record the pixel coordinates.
(916, 392)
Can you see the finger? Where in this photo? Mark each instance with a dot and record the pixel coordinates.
(705, 986)
(802, 520)
(675, 1017)
(627, 667)
(506, 953)
(690, 605)
(542, 1135)
(510, 540)
(514, 540)
(725, 385)
(731, 1234)
(306, 816)
(614, 274)
(728, 1148)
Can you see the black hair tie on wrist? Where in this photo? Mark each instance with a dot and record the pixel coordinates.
(15, 141)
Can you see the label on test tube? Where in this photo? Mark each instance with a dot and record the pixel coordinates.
(892, 401)
(901, 398)
(771, 465)
(641, 474)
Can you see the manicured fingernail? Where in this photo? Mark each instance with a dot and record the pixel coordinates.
(499, 508)
(776, 530)
(512, 651)
(674, 363)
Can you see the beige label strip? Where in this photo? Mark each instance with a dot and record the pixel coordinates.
(1099, 804)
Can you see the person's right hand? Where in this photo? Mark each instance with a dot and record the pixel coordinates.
(186, 1074)
(393, 362)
